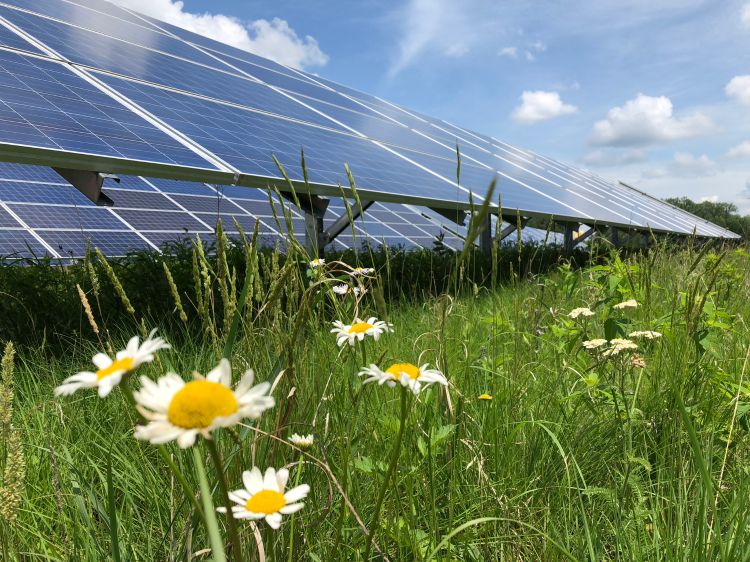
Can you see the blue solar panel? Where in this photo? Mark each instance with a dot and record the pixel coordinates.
(77, 117)
(247, 139)
(100, 51)
(140, 199)
(7, 220)
(72, 244)
(33, 192)
(147, 220)
(52, 216)
(14, 41)
(80, 10)
(20, 244)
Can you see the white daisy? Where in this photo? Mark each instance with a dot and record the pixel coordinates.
(109, 373)
(263, 496)
(357, 271)
(648, 334)
(356, 331)
(593, 344)
(576, 312)
(407, 374)
(619, 345)
(179, 410)
(345, 289)
(317, 263)
(302, 441)
(630, 303)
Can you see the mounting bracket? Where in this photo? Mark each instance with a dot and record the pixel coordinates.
(343, 222)
(89, 183)
(314, 209)
(512, 226)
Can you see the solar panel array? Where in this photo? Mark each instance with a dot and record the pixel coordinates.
(41, 215)
(86, 84)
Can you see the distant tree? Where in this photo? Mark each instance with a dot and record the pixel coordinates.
(721, 213)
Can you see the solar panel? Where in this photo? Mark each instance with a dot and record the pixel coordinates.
(38, 209)
(89, 85)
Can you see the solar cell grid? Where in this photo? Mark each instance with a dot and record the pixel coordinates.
(140, 199)
(147, 220)
(20, 244)
(7, 220)
(58, 9)
(106, 53)
(72, 244)
(244, 138)
(58, 216)
(33, 192)
(91, 121)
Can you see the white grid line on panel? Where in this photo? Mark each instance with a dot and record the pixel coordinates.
(29, 230)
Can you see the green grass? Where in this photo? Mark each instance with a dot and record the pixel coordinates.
(575, 457)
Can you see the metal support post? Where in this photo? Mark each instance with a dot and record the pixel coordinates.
(568, 240)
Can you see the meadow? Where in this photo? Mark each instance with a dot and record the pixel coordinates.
(591, 413)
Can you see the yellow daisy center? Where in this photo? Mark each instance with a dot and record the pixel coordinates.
(124, 364)
(360, 327)
(266, 501)
(412, 371)
(198, 403)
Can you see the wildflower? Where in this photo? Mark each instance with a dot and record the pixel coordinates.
(345, 289)
(317, 263)
(359, 329)
(593, 344)
(630, 303)
(302, 441)
(576, 312)
(485, 396)
(179, 410)
(110, 373)
(638, 362)
(407, 374)
(648, 334)
(263, 496)
(619, 345)
(357, 271)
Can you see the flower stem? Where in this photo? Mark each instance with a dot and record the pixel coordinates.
(391, 469)
(212, 526)
(164, 454)
(291, 524)
(220, 476)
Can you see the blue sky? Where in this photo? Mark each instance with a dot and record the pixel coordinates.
(655, 93)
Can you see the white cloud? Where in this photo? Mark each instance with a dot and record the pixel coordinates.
(648, 120)
(431, 25)
(746, 15)
(540, 106)
(534, 49)
(685, 165)
(606, 158)
(709, 199)
(742, 150)
(739, 89)
(272, 39)
(510, 52)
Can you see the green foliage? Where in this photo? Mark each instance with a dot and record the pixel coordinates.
(578, 455)
(181, 287)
